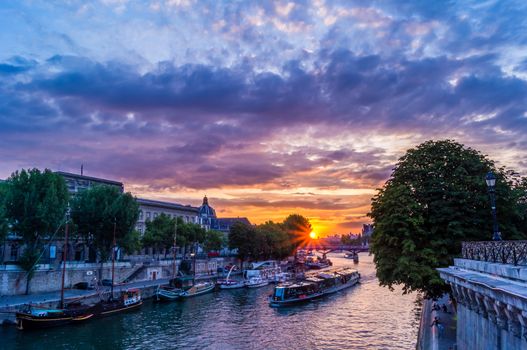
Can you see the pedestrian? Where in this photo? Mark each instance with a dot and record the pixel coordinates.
(445, 310)
(435, 307)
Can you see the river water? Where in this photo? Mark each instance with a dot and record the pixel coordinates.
(365, 316)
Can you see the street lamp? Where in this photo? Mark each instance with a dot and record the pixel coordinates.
(491, 185)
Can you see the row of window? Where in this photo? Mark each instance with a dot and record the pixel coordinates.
(154, 215)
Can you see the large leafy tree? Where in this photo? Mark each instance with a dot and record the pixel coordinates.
(298, 228)
(3, 219)
(96, 210)
(277, 240)
(435, 198)
(159, 233)
(214, 240)
(241, 238)
(35, 204)
(269, 240)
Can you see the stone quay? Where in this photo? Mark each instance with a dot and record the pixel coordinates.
(489, 285)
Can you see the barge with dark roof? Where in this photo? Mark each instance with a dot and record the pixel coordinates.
(313, 287)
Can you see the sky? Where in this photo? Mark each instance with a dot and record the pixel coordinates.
(267, 107)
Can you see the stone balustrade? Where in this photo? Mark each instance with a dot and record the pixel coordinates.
(491, 304)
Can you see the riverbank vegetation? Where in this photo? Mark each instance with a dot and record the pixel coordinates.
(270, 240)
(435, 198)
(163, 231)
(34, 204)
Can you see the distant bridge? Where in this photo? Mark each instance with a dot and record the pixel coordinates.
(338, 247)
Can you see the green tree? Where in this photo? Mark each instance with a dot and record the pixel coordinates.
(435, 198)
(3, 219)
(298, 228)
(240, 238)
(269, 240)
(278, 242)
(94, 212)
(214, 240)
(159, 233)
(132, 242)
(35, 205)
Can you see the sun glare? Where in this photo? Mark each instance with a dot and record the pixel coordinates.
(313, 235)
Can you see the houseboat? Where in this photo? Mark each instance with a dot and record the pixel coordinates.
(313, 286)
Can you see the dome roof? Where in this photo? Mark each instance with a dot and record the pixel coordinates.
(206, 210)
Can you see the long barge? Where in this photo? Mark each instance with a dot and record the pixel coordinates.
(313, 287)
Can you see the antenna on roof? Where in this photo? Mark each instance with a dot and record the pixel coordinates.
(82, 169)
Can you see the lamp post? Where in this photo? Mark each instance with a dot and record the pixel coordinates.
(491, 185)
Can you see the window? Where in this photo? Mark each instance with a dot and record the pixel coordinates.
(155, 215)
(147, 215)
(14, 252)
(140, 215)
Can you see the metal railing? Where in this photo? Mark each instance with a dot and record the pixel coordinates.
(502, 252)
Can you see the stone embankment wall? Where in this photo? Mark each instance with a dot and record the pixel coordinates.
(48, 279)
(492, 304)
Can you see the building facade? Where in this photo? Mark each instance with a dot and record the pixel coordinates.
(150, 209)
(13, 247)
(209, 220)
(79, 182)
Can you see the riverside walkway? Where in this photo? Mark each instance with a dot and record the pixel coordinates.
(40, 298)
(434, 337)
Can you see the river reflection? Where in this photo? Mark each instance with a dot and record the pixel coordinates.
(365, 316)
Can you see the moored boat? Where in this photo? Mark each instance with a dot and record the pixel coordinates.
(230, 284)
(171, 292)
(37, 317)
(128, 300)
(314, 286)
(256, 282)
(164, 293)
(198, 289)
(352, 255)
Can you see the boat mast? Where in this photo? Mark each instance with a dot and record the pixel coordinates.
(174, 266)
(64, 258)
(113, 257)
(194, 265)
(230, 270)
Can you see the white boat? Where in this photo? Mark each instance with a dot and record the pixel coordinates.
(283, 277)
(198, 289)
(266, 270)
(230, 284)
(256, 282)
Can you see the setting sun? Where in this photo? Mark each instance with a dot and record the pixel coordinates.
(313, 235)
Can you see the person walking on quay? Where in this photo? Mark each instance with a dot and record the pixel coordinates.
(436, 322)
(444, 308)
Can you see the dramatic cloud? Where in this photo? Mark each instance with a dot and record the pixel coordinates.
(270, 108)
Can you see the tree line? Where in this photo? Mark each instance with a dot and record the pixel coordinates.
(270, 240)
(435, 198)
(34, 204)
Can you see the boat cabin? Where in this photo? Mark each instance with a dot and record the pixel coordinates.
(131, 296)
(295, 290)
(185, 282)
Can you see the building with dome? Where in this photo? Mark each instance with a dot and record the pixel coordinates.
(209, 220)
